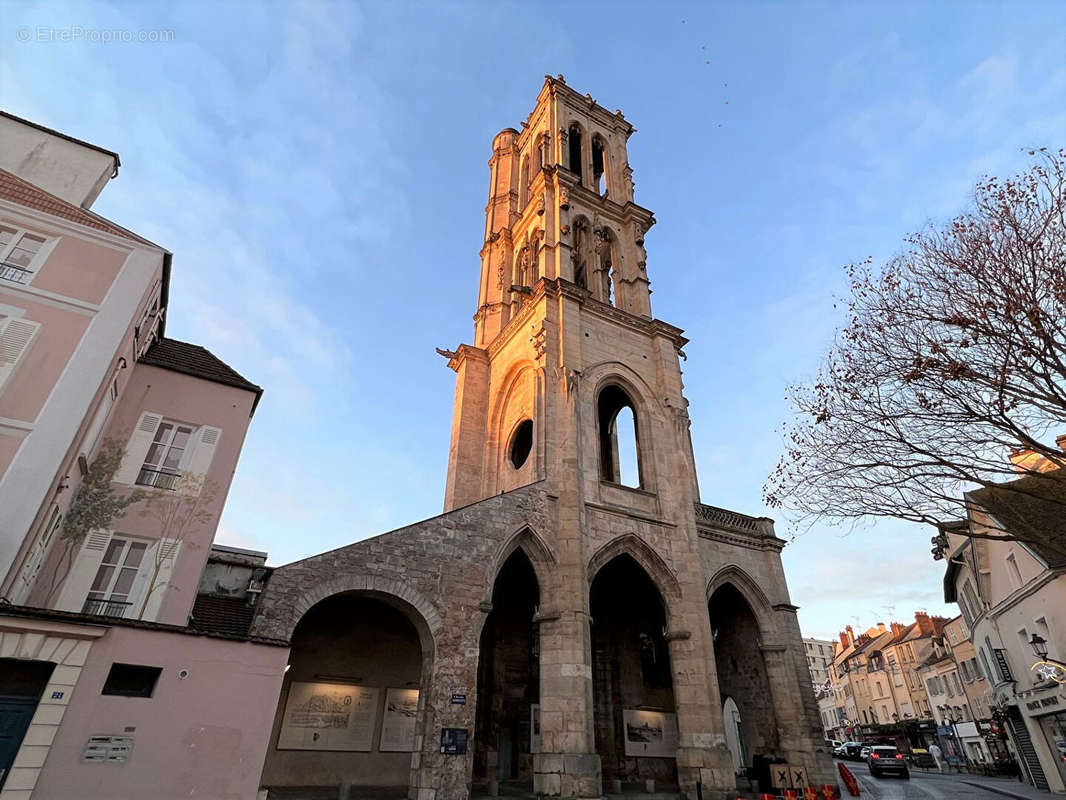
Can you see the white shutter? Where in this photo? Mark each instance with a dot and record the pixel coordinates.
(206, 442)
(164, 553)
(80, 579)
(16, 336)
(137, 449)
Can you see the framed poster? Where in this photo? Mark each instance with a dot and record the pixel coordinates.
(328, 716)
(650, 733)
(398, 723)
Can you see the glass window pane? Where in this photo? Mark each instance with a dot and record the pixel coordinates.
(30, 243)
(6, 235)
(162, 433)
(181, 436)
(173, 458)
(155, 453)
(103, 578)
(136, 553)
(114, 549)
(20, 257)
(125, 581)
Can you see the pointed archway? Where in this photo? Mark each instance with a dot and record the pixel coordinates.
(508, 681)
(633, 695)
(743, 677)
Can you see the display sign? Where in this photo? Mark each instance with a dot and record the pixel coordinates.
(329, 716)
(534, 728)
(458, 699)
(398, 723)
(650, 733)
(105, 748)
(453, 741)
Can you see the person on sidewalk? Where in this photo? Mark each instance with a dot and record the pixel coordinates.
(936, 752)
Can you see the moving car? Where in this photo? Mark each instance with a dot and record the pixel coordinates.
(850, 750)
(864, 753)
(886, 760)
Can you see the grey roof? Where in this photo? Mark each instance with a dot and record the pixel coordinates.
(1033, 504)
(192, 359)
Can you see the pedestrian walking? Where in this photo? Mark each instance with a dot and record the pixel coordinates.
(935, 752)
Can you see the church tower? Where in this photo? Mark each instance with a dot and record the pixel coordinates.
(577, 618)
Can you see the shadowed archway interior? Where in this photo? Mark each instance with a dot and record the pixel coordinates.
(742, 675)
(630, 668)
(508, 678)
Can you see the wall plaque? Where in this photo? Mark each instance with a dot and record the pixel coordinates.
(453, 741)
(108, 749)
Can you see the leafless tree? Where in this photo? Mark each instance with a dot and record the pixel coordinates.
(178, 512)
(953, 358)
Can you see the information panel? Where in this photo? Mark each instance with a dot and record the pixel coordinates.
(398, 723)
(650, 733)
(329, 716)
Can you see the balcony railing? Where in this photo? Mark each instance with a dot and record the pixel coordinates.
(158, 479)
(99, 607)
(14, 273)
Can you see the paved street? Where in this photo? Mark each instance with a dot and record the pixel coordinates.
(934, 786)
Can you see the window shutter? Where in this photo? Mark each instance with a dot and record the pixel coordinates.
(165, 552)
(80, 579)
(202, 455)
(16, 336)
(137, 449)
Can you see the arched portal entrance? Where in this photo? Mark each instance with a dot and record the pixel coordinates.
(350, 706)
(633, 696)
(508, 681)
(742, 676)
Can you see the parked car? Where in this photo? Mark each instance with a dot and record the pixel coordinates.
(850, 750)
(886, 760)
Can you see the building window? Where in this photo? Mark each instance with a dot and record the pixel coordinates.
(1014, 574)
(521, 443)
(110, 592)
(162, 465)
(599, 165)
(131, 680)
(20, 254)
(619, 455)
(574, 145)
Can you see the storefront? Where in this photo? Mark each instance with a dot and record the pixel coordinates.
(1044, 711)
(1053, 727)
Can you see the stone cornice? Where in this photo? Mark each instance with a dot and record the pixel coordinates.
(749, 542)
(558, 88)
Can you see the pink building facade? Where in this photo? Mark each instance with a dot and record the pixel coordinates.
(111, 685)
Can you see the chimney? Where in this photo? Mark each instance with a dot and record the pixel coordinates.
(925, 625)
(881, 627)
(851, 635)
(898, 629)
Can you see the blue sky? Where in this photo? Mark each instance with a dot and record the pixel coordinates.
(319, 171)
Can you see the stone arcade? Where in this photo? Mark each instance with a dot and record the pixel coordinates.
(564, 631)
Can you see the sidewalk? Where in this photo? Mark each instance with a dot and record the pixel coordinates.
(1008, 787)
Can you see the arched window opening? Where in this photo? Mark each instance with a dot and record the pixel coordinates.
(508, 681)
(579, 253)
(521, 443)
(604, 265)
(632, 682)
(619, 454)
(523, 183)
(538, 155)
(599, 161)
(574, 144)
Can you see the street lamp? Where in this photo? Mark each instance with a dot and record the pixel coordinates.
(1039, 645)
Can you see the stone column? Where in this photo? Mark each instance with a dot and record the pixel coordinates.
(703, 756)
(567, 765)
(435, 775)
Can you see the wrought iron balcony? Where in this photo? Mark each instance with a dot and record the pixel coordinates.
(99, 607)
(158, 479)
(14, 273)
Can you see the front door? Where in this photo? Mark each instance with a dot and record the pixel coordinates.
(15, 716)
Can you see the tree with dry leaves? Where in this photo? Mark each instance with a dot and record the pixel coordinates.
(952, 359)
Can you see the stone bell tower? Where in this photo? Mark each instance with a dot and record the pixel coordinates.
(564, 340)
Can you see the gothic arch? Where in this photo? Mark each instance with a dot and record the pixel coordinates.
(538, 552)
(646, 413)
(629, 544)
(399, 594)
(752, 593)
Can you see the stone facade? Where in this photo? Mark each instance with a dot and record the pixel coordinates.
(564, 344)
